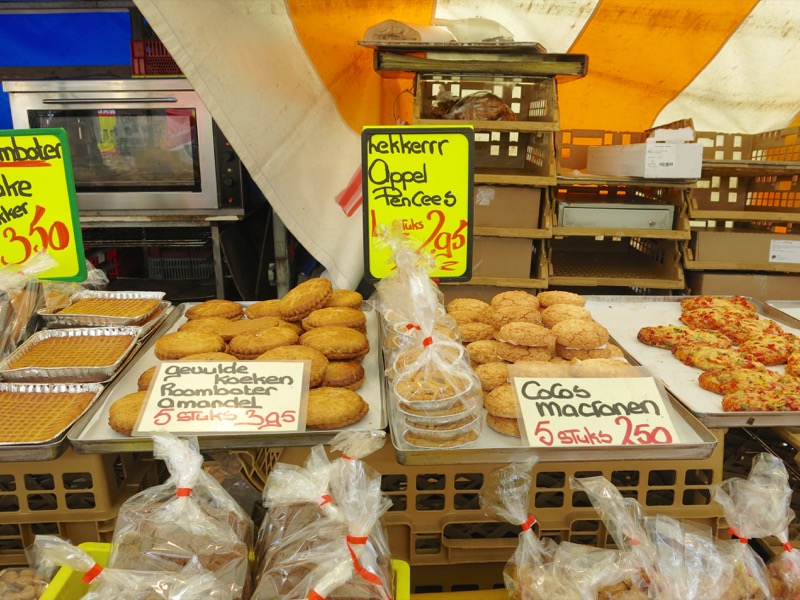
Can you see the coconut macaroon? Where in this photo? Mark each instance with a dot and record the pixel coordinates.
(515, 298)
(555, 313)
(581, 339)
(525, 341)
(559, 297)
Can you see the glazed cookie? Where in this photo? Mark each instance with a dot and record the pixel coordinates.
(305, 298)
(549, 298)
(319, 363)
(556, 313)
(483, 351)
(514, 353)
(515, 298)
(346, 298)
(252, 344)
(467, 304)
(341, 316)
(123, 413)
(512, 314)
(337, 343)
(204, 356)
(526, 334)
(234, 328)
(265, 308)
(178, 344)
(472, 332)
(492, 375)
(215, 308)
(503, 425)
(208, 324)
(500, 402)
(579, 333)
(145, 378)
(344, 373)
(334, 408)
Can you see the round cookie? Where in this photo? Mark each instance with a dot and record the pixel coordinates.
(548, 298)
(252, 344)
(226, 309)
(578, 333)
(492, 375)
(526, 334)
(337, 343)
(334, 408)
(561, 312)
(319, 363)
(122, 414)
(607, 351)
(178, 344)
(265, 308)
(145, 378)
(341, 316)
(346, 298)
(344, 373)
(209, 324)
(423, 439)
(204, 356)
(467, 304)
(514, 353)
(500, 402)
(304, 298)
(234, 328)
(605, 367)
(504, 425)
(515, 298)
(462, 317)
(512, 314)
(472, 332)
(483, 351)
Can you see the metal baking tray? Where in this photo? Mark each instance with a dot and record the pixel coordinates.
(93, 434)
(791, 308)
(61, 317)
(52, 448)
(624, 316)
(68, 374)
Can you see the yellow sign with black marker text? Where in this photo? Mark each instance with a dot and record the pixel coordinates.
(421, 179)
(38, 211)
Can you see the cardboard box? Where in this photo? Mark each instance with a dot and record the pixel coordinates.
(507, 206)
(668, 154)
(760, 286)
(738, 245)
(501, 257)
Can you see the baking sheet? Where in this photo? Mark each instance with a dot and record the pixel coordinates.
(791, 308)
(93, 434)
(624, 316)
(52, 448)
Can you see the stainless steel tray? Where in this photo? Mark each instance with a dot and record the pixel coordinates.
(52, 448)
(623, 316)
(63, 318)
(93, 434)
(68, 374)
(790, 308)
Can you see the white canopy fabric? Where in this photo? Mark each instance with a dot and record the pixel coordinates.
(291, 88)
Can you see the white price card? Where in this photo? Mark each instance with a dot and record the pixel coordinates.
(784, 251)
(226, 397)
(587, 411)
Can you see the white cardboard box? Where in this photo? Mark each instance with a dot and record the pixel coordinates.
(668, 154)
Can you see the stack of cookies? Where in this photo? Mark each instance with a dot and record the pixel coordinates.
(311, 322)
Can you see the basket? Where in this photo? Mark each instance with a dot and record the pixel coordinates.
(69, 585)
(165, 263)
(149, 58)
(572, 146)
(515, 157)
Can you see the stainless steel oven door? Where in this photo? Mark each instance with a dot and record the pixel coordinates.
(136, 145)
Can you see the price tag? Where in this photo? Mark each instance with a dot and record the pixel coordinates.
(38, 211)
(226, 397)
(587, 411)
(421, 179)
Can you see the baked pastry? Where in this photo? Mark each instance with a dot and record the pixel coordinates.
(346, 298)
(30, 416)
(319, 363)
(606, 351)
(515, 298)
(504, 425)
(579, 333)
(500, 402)
(342, 316)
(143, 382)
(728, 379)
(122, 414)
(74, 351)
(715, 317)
(344, 373)
(204, 356)
(111, 307)
(492, 375)
(209, 324)
(515, 353)
(736, 302)
(497, 317)
(234, 328)
(304, 298)
(178, 344)
(337, 343)
(472, 332)
(252, 344)
(793, 364)
(555, 313)
(526, 334)
(708, 357)
(483, 351)
(767, 397)
(264, 308)
(430, 386)
(226, 309)
(741, 330)
(464, 316)
(604, 367)
(666, 336)
(769, 349)
(334, 408)
(424, 439)
(466, 304)
(548, 298)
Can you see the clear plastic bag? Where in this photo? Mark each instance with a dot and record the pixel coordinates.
(57, 294)
(189, 517)
(24, 295)
(188, 583)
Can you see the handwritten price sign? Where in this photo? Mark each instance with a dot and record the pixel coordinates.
(226, 397)
(594, 412)
(38, 211)
(421, 179)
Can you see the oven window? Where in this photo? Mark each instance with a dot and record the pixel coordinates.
(129, 150)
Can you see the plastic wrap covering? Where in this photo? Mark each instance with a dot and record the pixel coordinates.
(24, 295)
(189, 517)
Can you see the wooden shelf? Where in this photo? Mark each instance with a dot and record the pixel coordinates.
(494, 125)
(720, 265)
(750, 168)
(530, 234)
(741, 215)
(512, 177)
(562, 179)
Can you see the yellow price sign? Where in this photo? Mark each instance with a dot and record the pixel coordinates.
(38, 211)
(420, 177)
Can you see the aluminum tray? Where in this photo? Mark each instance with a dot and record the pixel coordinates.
(623, 316)
(68, 374)
(93, 434)
(52, 448)
(63, 318)
(791, 308)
